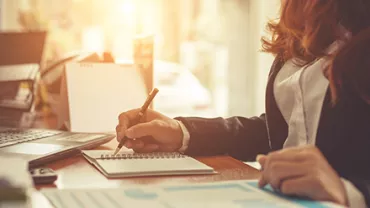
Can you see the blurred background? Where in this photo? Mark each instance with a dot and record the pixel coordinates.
(211, 48)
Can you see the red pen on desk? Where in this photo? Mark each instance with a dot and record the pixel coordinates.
(138, 117)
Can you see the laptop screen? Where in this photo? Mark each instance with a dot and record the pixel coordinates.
(21, 47)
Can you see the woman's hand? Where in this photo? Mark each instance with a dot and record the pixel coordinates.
(156, 132)
(304, 172)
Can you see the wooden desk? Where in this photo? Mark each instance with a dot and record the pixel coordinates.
(76, 172)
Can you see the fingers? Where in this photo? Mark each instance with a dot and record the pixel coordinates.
(145, 129)
(124, 122)
(281, 165)
(278, 172)
(304, 186)
(302, 172)
(141, 135)
(120, 131)
(147, 147)
(261, 159)
(129, 144)
(289, 155)
(134, 144)
(139, 145)
(128, 115)
(297, 186)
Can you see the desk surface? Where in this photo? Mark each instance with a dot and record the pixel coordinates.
(76, 172)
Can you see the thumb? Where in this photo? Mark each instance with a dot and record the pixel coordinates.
(261, 159)
(143, 129)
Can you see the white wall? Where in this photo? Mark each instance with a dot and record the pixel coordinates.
(1, 14)
(268, 9)
(241, 67)
(9, 14)
(260, 11)
(248, 67)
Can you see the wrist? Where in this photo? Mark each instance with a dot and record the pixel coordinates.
(354, 197)
(185, 137)
(179, 135)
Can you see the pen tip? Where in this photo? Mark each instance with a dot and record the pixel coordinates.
(116, 151)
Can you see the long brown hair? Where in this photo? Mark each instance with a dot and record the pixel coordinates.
(306, 28)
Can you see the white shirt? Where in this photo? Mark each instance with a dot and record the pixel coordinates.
(299, 94)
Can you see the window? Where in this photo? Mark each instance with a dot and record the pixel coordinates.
(210, 46)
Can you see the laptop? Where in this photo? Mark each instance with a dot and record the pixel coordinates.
(40, 146)
(37, 146)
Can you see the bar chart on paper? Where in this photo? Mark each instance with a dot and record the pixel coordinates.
(235, 194)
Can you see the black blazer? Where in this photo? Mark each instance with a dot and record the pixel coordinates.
(343, 134)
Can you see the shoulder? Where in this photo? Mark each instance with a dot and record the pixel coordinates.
(277, 64)
(350, 68)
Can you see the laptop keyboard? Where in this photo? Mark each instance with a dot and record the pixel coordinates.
(16, 136)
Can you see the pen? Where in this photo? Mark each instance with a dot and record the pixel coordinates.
(138, 117)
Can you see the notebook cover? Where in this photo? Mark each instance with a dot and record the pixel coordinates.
(92, 161)
(118, 168)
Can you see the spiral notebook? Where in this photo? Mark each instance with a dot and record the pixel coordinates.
(130, 164)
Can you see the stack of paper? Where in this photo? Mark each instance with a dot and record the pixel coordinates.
(18, 90)
(15, 182)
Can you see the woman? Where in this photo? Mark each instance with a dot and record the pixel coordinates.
(314, 140)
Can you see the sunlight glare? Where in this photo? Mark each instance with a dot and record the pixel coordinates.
(127, 7)
(93, 40)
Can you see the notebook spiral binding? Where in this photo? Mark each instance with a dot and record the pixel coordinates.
(157, 155)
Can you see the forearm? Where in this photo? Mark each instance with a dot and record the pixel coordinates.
(242, 138)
